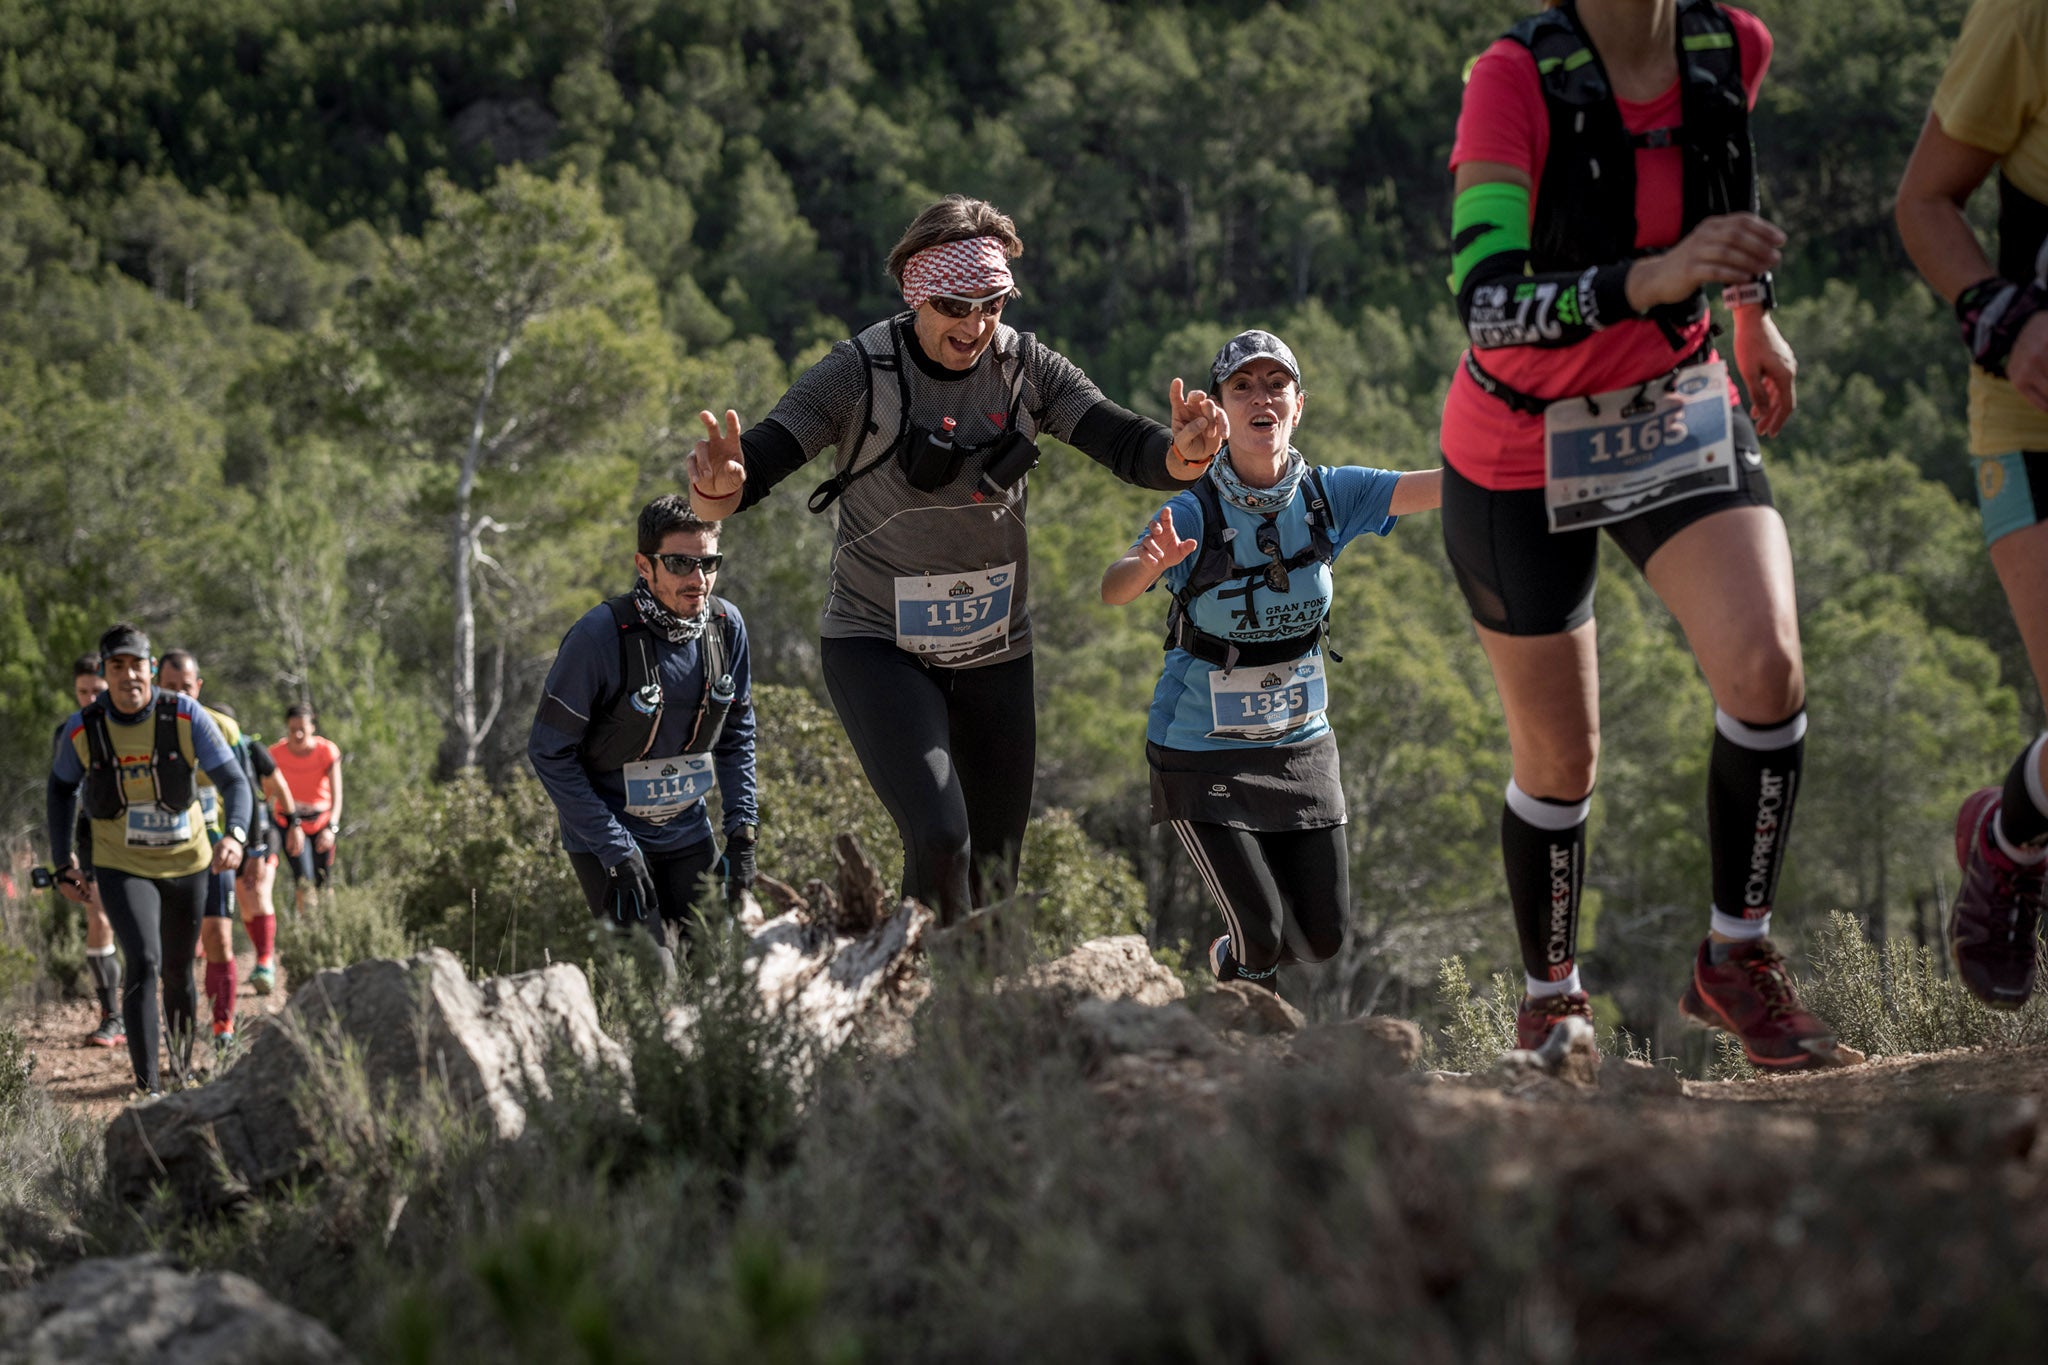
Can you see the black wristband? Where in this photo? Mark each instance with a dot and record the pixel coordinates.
(1991, 313)
(1605, 289)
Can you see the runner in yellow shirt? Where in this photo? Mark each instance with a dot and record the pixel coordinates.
(1991, 113)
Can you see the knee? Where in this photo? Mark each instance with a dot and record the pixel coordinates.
(1559, 767)
(1765, 686)
(1321, 945)
(942, 844)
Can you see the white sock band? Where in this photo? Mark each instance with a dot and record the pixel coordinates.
(2034, 791)
(107, 951)
(1538, 989)
(1734, 926)
(1761, 741)
(1546, 815)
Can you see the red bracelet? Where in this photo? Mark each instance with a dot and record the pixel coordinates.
(714, 497)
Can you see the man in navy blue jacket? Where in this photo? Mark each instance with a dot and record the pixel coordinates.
(648, 704)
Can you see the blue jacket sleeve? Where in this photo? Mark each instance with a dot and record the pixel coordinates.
(60, 798)
(733, 756)
(585, 669)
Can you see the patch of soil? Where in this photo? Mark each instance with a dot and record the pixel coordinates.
(99, 1080)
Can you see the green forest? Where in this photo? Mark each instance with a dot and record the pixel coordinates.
(257, 258)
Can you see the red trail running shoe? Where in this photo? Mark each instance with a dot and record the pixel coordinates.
(1993, 925)
(1536, 1018)
(1750, 995)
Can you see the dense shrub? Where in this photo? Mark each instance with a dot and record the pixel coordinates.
(348, 924)
(1903, 997)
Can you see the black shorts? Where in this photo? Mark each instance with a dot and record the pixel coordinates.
(1520, 579)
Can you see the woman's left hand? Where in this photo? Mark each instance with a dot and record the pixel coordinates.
(1199, 426)
(1769, 370)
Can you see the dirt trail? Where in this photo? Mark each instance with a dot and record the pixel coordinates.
(99, 1080)
(1892, 1082)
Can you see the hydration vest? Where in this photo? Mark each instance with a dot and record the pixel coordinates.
(170, 772)
(886, 408)
(622, 728)
(1216, 565)
(2022, 235)
(1586, 201)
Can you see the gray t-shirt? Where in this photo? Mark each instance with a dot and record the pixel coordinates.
(939, 573)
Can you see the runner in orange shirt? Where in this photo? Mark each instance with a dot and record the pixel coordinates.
(311, 764)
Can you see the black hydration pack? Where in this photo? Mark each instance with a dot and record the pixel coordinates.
(1216, 565)
(170, 772)
(909, 439)
(1586, 204)
(622, 727)
(2022, 235)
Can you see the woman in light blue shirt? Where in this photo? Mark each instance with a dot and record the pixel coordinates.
(1244, 765)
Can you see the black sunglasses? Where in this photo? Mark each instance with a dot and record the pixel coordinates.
(680, 565)
(1267, 538)
(954, 306)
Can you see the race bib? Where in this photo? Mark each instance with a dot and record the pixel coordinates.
(1616, 454)
(660, 789)
(152, 827)
(1266, 703)
(209, 804)
(956, 617)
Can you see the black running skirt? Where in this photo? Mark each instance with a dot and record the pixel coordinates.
(1273, 788)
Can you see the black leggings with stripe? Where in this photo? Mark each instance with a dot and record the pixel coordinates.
(157, 922)
(1283, 893)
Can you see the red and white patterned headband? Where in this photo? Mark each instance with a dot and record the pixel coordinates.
(972, 268)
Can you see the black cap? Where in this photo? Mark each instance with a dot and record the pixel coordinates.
(125, 639)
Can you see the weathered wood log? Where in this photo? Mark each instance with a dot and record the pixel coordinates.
(863, 901)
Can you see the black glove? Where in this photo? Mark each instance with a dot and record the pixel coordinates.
(1992, 313)
(736, 866)
(631, 897)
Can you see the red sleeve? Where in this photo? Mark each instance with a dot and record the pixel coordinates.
(1502, 118)
(1753, 42)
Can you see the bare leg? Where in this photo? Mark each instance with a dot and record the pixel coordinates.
(1549, 689)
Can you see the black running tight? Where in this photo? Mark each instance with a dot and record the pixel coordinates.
(1283, 893)
(950, 752)
(157, 923)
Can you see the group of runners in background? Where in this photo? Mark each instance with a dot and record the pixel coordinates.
(1604, 180)
(164, 819)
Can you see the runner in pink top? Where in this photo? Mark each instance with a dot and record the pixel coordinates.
(1605, 176)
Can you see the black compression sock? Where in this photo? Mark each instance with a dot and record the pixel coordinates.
(1543, 847)
(105, 970)
(2020, 818)
(1752, 781)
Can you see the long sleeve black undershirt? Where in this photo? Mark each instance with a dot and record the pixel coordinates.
(1128, 445)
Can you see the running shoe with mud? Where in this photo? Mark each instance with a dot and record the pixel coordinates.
(110, 1033)
(1536, 1018)
(1750, 995)
(1994, 925)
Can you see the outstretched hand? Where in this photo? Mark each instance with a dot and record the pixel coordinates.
(1162, 547)
(1199, 425)
(715, 469)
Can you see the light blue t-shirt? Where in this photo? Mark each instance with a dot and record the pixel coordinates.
(1195, 708)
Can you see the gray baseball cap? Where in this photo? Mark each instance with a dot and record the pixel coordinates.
(1242, 349)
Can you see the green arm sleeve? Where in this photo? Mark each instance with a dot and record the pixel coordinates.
(1487, 220)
